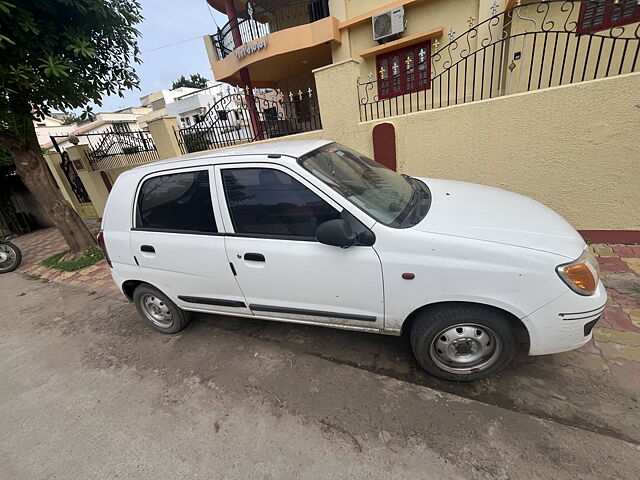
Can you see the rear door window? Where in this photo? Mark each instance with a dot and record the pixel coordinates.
(176, 202)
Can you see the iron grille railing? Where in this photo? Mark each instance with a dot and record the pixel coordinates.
(260, 19)
(74, 179)
(528, 47)
(116, 146)
(244, 116)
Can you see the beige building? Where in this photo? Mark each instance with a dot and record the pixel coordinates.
(431, 53)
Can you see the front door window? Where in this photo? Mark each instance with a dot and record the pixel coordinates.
(270, 203)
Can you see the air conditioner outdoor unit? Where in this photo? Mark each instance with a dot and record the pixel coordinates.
(388, 23)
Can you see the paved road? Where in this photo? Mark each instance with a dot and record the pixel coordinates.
(88, 391)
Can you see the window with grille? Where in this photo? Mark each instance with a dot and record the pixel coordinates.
(404, 71)
(600, 15)
(121, 127)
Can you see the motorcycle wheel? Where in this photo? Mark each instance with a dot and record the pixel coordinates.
(10, 257)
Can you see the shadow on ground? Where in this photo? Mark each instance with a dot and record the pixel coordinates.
(573, 388)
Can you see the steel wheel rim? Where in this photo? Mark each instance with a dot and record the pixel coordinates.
(156, 311)
(8, 257)
(465, 348)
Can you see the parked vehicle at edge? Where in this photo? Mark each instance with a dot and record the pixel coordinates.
(313, 232)
(10, 256)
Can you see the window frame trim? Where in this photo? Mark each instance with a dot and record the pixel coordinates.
(215, 207)
(608, 21)
(401, 51)
(226, 213)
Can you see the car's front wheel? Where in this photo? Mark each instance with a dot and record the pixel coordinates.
(462, 342)
(158, 310)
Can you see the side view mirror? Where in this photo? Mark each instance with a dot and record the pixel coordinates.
(337, 233)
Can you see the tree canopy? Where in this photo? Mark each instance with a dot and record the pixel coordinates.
(194, 81)
(64, 54)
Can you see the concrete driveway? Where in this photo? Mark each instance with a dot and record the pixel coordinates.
(88, 391)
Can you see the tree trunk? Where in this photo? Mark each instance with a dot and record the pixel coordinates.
(34, 172)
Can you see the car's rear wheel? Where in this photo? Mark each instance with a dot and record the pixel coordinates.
(462, 342)
(158, 310)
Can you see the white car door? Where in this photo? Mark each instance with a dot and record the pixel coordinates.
(270, 214)
(178, 242)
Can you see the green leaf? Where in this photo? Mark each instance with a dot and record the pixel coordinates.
(5, 6)
(5, 39)
(82, 47)
(29, 26)
(53, 67)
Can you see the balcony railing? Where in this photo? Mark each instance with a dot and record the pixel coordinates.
(266, 17)
(528, 47)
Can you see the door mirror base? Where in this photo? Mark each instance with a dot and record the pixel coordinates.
(337, 233)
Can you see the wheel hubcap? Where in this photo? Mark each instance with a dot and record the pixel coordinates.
(156, 311)
(7, 257)
(465, 348)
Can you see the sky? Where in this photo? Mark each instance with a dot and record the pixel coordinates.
(171, 45)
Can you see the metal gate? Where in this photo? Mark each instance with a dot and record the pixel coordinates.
(248, 115)
(74, 180)
(113, 147)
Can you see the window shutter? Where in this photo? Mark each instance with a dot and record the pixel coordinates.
(404, 71)
(596, 16)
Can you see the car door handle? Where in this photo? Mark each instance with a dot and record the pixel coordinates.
(254, 257)
(147, 248)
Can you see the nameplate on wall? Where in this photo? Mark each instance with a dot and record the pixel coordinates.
(250, 48)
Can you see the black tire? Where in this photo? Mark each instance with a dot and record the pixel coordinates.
(17, 260)
(446, 336)
(146, 297)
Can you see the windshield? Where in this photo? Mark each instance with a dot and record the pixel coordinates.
(387, 196)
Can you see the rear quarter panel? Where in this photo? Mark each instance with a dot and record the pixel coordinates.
(116, 225)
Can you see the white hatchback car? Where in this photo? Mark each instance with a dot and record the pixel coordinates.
(313, 232)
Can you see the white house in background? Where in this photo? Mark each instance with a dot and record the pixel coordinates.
(157, 102)
(126, 120)
(50, 125)
(189, 108)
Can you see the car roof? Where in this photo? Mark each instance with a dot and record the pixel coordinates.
(289, 148)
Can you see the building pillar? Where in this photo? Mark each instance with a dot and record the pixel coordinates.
(163, 131)
(53, 162)
(93, 184)
(79, 155)
(230, 7)
(251, 104)
(339, 107)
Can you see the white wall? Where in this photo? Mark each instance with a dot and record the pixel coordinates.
(44, 134)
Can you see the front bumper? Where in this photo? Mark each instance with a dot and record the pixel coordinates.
(565, 323)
